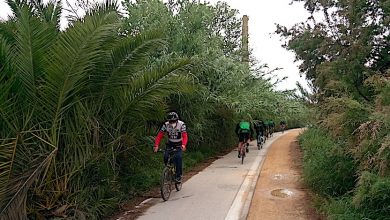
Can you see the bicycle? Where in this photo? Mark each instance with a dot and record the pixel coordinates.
(168, 176)
(283, 127)
(266, 133)
(260, 141)
(244, 146)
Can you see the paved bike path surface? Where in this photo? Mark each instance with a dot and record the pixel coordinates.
(221, 191)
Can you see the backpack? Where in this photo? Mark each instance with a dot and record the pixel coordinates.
(258, 125)
(244, 127)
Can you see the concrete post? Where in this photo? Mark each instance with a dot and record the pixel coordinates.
(245, 39)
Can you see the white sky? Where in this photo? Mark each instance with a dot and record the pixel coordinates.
(263, 15)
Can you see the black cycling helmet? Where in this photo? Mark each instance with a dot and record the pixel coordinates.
(172, 116)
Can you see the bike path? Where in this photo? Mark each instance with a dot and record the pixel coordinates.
(221, 191)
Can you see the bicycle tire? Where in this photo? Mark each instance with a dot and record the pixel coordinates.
(166, 181)
(242, 155)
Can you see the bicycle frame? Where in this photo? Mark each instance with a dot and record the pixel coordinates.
(171, 154)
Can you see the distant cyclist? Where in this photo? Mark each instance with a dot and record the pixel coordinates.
(259, 128)
(282, 126)
(244, 131)
(266, 129)
(271, 125)
(177, 139)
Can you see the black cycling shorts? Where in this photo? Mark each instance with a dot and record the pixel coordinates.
(243, 137)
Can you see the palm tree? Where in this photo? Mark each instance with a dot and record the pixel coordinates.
(68, 98)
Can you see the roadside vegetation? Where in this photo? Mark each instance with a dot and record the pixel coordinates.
(80, 106)
(344, 48)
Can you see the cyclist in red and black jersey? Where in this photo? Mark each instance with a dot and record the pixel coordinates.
(177, 138)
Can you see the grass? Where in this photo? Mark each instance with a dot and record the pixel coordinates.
(345, 192)
(327, 168)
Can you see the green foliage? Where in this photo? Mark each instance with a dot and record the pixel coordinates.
(71, 103)
(342, 116)
(327, 168)
(385, 95)
(79, 107)
(341, 209)
(372, 196)
(345, 57)
(369, 201)
(342, 51)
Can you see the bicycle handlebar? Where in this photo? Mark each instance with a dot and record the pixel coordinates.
(169, 150)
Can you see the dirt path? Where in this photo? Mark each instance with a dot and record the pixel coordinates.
(279, 193)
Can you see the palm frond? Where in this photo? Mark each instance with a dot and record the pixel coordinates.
(7, 29)
(50, 12)
(72, 59)
(17, 6)
(7, 107)
(32, 40)
(130, 55)
(108, 6)
(15, 206)
(149, 87)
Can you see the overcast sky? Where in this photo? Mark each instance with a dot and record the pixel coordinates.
(263, 15)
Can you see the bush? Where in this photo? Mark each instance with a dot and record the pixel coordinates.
(371, 200)
(385, 95)
(342, 116)
(328, 170)
(341, 209)
(372, 196)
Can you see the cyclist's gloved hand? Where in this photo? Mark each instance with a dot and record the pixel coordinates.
(183, 147)
(155, 149)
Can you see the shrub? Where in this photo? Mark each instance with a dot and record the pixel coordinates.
(372, 196)
(341, 209)
(327, 168)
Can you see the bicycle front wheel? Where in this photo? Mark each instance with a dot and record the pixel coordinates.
(242, 154)
(166, 181)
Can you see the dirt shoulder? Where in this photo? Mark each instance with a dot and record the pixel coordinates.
(280, 193)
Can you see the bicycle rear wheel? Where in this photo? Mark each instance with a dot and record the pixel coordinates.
(262, 142)
(166, 184)
(242, 154)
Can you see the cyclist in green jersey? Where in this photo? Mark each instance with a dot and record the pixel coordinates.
(271, 125)
(266, 129)
(244, 131)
